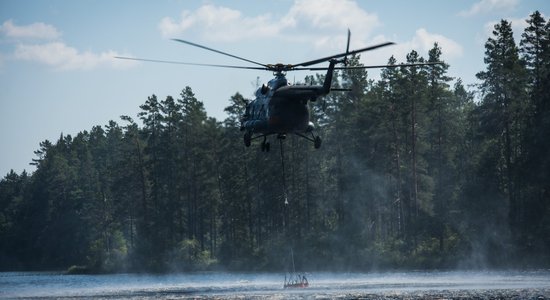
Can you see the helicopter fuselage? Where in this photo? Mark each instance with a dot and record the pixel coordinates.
(280, 108)
(275, 112)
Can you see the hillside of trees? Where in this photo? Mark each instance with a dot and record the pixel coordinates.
(416, 172)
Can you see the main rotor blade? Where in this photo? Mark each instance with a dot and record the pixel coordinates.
(220, 52)
(189, 64)
(371, 67)
(320, 60)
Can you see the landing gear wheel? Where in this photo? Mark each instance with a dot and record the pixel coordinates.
(265, 146)
(247, 139)
(317, 142)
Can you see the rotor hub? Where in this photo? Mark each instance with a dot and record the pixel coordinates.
(279, 68)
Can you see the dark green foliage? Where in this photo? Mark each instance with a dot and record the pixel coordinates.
(413, 173)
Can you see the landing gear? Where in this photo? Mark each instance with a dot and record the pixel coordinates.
(247, 138)
(317, 142)
(265, 145)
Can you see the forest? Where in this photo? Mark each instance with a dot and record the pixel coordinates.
(416, 171)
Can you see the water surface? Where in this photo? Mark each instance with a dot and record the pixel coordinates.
(528, 284)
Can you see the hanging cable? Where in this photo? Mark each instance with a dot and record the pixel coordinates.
(283, 168)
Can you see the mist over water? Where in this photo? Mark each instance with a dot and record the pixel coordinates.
(259, 285)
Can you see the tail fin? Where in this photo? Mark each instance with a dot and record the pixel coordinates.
(347, 49)
(328, 77)
(333, 62)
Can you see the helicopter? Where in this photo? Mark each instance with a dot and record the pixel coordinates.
(281, 108)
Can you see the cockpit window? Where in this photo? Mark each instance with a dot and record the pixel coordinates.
(278, 82)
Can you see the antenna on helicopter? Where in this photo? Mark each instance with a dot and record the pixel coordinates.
(256, 83)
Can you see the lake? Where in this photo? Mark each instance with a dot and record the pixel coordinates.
(386, 285)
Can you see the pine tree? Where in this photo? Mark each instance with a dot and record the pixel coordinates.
(503, 113)
(442, 126)
(534, 168)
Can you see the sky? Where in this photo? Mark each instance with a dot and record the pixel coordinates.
(58, 74)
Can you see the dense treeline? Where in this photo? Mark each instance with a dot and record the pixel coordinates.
(413, 173)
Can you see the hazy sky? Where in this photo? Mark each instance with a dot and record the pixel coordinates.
(58, 74)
